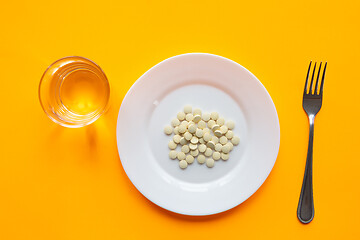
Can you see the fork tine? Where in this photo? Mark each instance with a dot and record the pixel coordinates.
(307, 78)
(317, 80)
(322, 80)
(312, 79)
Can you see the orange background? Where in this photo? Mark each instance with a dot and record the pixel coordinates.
(59, 183)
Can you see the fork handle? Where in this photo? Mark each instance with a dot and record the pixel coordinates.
(305, 211)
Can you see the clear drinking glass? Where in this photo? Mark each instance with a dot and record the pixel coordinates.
(74, 92)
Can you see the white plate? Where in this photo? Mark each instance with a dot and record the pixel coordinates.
(211, 83)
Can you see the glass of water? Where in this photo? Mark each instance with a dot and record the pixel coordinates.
(74, 92)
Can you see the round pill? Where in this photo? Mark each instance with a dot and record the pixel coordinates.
(196, 118)
(225, 149)
(202, 148)
(176, 139)
(183, 164)
(185, 149)
(218, 133)
(206, 117)
(172, 145)
(201, 159)
(230, 145)
(194, 140)
(185, 123)
(220, 121)
(216, 156)
(211, 123)
(189, 117)
(208, 152)
(176, 130)
(173, 154)
(223, 140)
(189, 159)
(197, 111)
(183, 141)
(175, 122)
(229, 135)
(192, 146)
(230, 124)
(180, 156)
(190, 123)
(215, 127)
(168, 130)
(201, 140)
(199, 133)
(214, 116)
(224, 156)
(224, 129)
(215, 139)
(218, 147)
(206, 130)
(235, 140)
(201, 124)
(187, 109)
(181, 116)
(210, 162)
(207, 137)
(194, 153)
(211, 144)
(182, 128)
(188, 136)
(192, 128)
